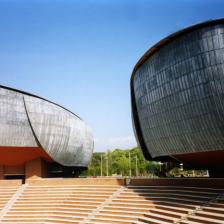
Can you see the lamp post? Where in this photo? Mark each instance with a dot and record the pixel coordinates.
(129, 163)
(136, 165)
(101, 165)
(160, 166)
(107, 164)
(181, 166)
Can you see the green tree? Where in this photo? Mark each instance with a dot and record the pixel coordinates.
(117, 161)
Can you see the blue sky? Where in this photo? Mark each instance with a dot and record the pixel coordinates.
(80, 53)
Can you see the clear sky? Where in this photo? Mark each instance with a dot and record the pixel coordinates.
(80, 53)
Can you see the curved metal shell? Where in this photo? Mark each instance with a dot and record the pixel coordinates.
(62, 135)
(177, 91)
(30, 121)
(15, 129)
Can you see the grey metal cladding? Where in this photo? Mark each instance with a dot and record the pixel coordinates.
(14, 126)
(179, 94)
(64, 136)
(27, 121)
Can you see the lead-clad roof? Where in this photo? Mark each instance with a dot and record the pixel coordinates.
(28, 120)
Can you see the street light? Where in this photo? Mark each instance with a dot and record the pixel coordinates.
(107, 164)
(181, 166)
(136, 165)
(129, 163)
(101, 165)
(160, 166)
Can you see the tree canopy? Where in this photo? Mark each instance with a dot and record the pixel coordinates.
(121, 162)
(131, 162)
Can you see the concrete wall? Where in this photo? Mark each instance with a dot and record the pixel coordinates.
(36, 169)
(8, 183)
(77, 181)
(185, 182)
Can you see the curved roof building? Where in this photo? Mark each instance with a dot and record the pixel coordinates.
(177, 95)
(32, 127)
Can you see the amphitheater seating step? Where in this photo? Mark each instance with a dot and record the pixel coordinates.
(204, 219)
(153, 221)
(210, 215)
(105, 204)
(189, 222)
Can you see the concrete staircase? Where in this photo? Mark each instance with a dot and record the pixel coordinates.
(57, 204)
(92, 203)
(6, 193)
(179, 205)
(161, 205)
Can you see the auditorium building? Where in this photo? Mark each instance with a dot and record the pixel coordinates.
(39, 138)
(177, 96)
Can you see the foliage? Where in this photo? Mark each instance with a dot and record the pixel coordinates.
(118, 162)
